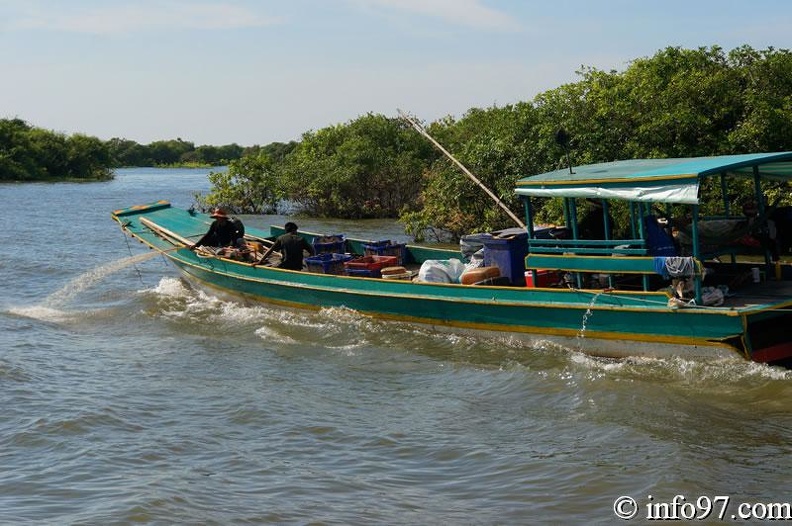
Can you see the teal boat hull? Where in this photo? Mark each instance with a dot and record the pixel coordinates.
(604, 323)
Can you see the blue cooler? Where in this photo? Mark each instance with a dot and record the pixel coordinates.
(508, 254)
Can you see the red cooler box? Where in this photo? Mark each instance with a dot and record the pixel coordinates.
(541, 278)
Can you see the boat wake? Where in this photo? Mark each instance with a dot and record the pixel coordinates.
(682, 371)
(346, 331)
(177, 302)
(52, 307)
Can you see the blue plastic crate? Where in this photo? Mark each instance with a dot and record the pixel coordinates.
(331, 244)
(363, 273)
(381, 243)
(327, 263)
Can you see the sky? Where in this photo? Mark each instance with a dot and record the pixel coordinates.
(217, 72)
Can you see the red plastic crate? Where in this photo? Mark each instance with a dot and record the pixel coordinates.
(387, 248)
(371, 263)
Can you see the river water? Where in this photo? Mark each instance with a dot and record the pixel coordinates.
(128, 398)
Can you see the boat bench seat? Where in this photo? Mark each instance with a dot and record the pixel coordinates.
(604, 247)
(715, 253)
(594, 264)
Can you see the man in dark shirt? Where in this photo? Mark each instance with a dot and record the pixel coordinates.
(222, 232)
(291, 245)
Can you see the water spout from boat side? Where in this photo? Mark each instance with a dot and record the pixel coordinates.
(93, 276)
(51, 308)
(586, 316)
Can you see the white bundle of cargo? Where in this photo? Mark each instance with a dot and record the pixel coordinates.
(441, 271)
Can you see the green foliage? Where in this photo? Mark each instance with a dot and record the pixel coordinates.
(276, 151)
(766, 92)
(247, 186)
(28, 153)
(129, 153)
(34, 154)
(174, 152)
(494, 145)
(87, 155)
(370, 167)
(16, 160)
(678, 103)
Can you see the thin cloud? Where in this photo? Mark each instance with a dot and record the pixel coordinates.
(141, 16)
(471, 13)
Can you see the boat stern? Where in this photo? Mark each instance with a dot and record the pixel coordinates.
(767, 337)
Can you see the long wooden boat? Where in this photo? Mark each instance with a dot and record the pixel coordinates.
(612, 297)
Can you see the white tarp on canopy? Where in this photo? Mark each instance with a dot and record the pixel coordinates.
(685, 194)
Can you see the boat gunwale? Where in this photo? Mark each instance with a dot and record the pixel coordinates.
(638, 296)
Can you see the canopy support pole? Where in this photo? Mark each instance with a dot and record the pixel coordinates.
(725, 195)
(760, 203)
(696, 254)
(528, 216)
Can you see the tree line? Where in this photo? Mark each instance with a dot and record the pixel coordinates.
(174, 152)
(33, 154)
(29, 153)
(677, 103)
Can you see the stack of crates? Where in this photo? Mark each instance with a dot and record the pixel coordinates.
(368, 266)
(387, 248)
(327, 263)
(331, 244)
(329, 255)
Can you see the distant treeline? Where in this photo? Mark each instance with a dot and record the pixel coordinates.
(125, 152)
(33, 154)
(28, 153)
(677, 103)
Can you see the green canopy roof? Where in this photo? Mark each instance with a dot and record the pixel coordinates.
(652, 180)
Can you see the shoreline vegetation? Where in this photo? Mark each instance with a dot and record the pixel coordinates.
(29, 153)
(677, 103)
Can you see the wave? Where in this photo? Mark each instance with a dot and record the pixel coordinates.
(682, 370)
